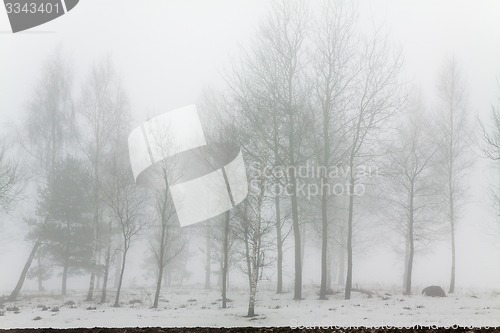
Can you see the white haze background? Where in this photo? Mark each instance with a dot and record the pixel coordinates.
(167, 51)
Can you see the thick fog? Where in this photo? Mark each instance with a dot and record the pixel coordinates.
(171, 54)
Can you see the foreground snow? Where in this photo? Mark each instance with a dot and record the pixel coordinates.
(198, 307)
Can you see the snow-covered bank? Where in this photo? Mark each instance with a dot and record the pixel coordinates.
(198, 307)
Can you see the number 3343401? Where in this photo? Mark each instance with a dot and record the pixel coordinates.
(16, 8)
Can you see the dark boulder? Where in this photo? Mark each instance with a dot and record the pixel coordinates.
(434, 291)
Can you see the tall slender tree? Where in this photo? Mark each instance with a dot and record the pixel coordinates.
(455, 140)
(101, 107)
(376, 100)
(168, 241)
(413, 189)
(270, 91)
(46, 131)
(127, 204)
(334, 70)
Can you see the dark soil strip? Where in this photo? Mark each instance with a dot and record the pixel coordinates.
(247, 329)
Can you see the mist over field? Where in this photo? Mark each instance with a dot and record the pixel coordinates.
(251, 162)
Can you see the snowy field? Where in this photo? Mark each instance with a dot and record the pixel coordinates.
(179, 307)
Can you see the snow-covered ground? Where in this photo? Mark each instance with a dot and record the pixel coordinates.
(197, 307)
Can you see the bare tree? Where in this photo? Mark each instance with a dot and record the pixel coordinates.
(127, 204)
(254, 231)
(222, 238)
(226, 247)
(125, 200)
(491, 147)
(376, 100)
(224, 135)
(253, 240)
(102, 103)
(413, 189)
(252, 226)
(108, 232)
(270, 91)
(334, 70)
(452, 121)
(168, 242)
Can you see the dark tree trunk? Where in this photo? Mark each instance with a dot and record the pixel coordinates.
(90, 293)
(208, 261)
(65, 276)
(341, 261)
(98, 273)
(118, 266)
(348, 285)
(452, 278)
(324, 242)
(297, 291)
(20, 282)
(39, 273)
(452, 211)
(161, 260)
(279, 243)
(279, 236)
(247, 255)
(331, 265)
(66, 259)
(158, 288)
(324, 202)
(407, 252)
(226, 260)
(106, 275)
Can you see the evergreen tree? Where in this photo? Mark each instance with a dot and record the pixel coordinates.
(67, 234)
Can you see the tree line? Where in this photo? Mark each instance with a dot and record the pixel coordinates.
(311, 88)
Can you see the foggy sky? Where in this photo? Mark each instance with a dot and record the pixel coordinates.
(167, 51)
